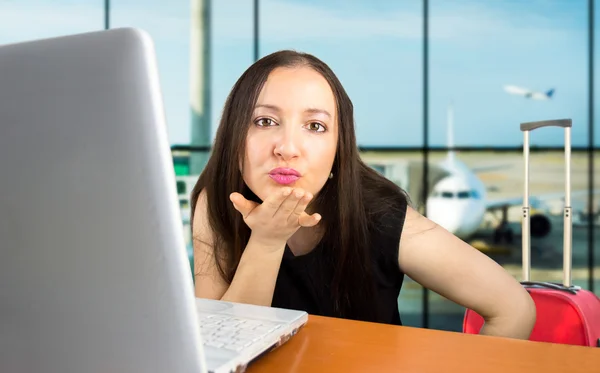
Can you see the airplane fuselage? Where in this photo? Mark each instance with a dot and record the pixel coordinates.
(457, 202)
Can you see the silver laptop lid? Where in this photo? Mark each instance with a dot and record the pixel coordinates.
(94, 275)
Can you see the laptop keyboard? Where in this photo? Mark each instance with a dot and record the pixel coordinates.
(233, 333)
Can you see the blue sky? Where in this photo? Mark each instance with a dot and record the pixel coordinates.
(375, 48)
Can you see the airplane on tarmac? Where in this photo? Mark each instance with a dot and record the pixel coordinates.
(458, 199)
(527, 93)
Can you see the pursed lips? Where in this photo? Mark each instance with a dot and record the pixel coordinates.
(284, 175)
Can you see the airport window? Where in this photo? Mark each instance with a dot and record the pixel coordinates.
(495, 64)
(379, 168)
(464, 194)
(447, 195)
(28, 20)
(489, 73)
(231, 49)
(596, 88)
(181, 187)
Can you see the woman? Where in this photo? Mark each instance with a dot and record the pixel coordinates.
(287, 215)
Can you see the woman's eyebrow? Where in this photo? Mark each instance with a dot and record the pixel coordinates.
(309, 110)
(317, 111)
(267, 106)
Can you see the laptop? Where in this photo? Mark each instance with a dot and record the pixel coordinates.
(94, 274)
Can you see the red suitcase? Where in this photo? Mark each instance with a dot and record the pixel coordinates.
(566, 313)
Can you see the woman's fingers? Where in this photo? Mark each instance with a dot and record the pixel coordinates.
(300, 207)
(241, 204)
(308, 221)
(282, 212)
(289, 205)
(273, 202)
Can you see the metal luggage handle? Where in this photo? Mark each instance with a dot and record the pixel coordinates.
(527, 127)
(530, 126)
(551, 285)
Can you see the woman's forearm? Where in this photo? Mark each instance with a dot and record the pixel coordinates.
(256, 275)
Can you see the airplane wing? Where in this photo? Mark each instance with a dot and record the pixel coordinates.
(501, 203)
(534, 200)
(480, 169)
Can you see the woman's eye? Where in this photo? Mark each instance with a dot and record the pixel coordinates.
(265, 122)
(317, 127)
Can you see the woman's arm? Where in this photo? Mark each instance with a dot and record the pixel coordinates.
(443, 263)
(254, 280)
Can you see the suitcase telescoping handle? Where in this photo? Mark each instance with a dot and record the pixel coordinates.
(567, 239)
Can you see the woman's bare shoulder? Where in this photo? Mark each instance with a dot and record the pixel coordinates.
(209, 283)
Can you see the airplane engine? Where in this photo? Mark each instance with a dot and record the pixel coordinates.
(540, 225)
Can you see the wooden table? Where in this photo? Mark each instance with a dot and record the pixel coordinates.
(336, 345)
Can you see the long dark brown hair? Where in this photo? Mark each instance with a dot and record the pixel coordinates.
(349, 203)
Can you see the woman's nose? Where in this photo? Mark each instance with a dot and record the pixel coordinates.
(287, 146)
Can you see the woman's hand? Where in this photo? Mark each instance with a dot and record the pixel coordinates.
(279, 216)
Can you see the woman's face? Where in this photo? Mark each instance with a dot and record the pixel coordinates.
(292, 139)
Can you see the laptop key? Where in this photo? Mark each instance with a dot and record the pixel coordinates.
(214, 343)
(235, 347)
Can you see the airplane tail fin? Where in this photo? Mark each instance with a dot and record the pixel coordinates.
(550, 93)
(450, 132)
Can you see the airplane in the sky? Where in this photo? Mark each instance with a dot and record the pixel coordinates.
(527, 93)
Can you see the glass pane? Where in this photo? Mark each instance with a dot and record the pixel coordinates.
(25, 20)
(596, 223)
(500, 63)
(498, 178)
(232, 49)
(168, 23)
(231, 53)
(410, 303)
(404, 168)
(596, 204)
(596, 67)
(375, 49)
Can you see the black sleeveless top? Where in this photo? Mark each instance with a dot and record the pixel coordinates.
(303, 281)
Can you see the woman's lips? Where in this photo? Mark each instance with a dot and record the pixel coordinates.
(284, 176)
